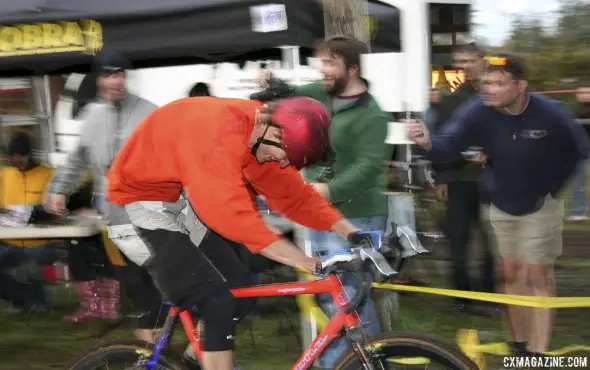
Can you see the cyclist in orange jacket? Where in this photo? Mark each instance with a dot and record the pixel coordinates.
(220, 153)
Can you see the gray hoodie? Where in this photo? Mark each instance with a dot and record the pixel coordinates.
(103, 132)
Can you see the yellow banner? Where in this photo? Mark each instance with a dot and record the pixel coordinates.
(51, 37)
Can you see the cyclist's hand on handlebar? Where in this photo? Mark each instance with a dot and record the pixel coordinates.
(360, 239)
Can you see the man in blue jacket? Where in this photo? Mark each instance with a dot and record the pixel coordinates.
(534, 145)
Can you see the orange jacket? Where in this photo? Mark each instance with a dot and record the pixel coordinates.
(201, 145)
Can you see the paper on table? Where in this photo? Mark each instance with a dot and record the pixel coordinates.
(18, 215)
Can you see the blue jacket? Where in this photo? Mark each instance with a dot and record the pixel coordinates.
(533, 153)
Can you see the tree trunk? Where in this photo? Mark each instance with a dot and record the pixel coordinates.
(347, 17)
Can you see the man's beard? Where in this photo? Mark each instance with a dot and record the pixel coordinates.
(339, 86)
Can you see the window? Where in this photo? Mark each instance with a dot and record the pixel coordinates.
(16, 97)
(434, 16)
(442, 39)
(463, 38)
(20, 112)
(460, 15)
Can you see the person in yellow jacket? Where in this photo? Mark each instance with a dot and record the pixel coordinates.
(23, 184)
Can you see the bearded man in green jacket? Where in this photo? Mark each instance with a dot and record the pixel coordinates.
(354, 176)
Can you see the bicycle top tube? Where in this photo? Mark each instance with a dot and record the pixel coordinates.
(330, 284)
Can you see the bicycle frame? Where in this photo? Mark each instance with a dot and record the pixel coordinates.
(331, 284)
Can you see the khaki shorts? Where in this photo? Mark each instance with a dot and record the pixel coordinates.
(534, 238)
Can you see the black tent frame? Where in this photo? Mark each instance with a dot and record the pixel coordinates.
(161, 32)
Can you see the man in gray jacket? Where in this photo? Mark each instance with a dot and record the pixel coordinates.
(106, 123)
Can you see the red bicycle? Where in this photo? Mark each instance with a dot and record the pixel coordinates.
(385, 351)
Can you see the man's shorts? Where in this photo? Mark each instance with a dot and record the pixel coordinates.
(534, 238)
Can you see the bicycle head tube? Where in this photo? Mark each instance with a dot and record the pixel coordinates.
(361, 292)
(355, 266)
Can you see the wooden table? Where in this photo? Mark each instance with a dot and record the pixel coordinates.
(80, 228)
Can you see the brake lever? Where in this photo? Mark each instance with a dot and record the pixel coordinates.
(378, 260)
(412, 241)
(346, 262)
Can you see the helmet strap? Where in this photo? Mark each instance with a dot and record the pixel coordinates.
(272, 143)
(262, 140)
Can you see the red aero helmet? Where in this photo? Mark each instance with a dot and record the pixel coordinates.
(304, 123)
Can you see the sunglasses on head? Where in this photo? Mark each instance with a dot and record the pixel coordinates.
(505, 64)
(497, 61)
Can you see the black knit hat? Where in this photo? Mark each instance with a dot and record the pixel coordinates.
(109, 62)
(19, 144)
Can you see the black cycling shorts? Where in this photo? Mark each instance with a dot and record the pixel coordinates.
(200, 277)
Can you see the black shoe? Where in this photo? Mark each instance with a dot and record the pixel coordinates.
(518, 349)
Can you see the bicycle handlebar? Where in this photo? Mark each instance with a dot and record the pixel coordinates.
(404, 243)
(354, 264)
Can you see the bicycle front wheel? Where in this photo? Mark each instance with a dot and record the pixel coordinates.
(409, 351)
(124, 355)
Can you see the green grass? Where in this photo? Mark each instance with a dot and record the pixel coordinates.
(571, 325)
(43, 341)
(577, 226)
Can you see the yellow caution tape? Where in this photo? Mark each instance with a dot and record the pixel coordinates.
(467, 340)
(515, 300)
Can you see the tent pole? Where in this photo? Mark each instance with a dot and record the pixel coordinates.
(290, 57)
